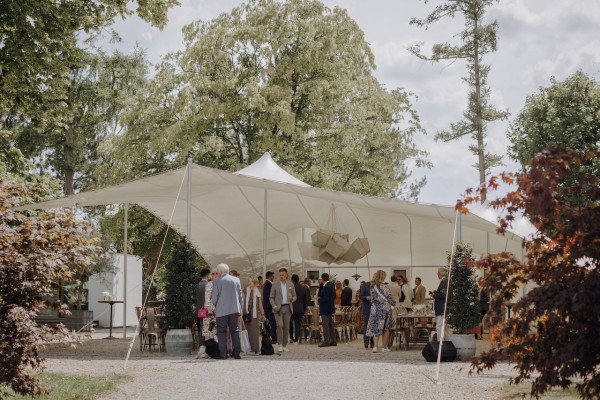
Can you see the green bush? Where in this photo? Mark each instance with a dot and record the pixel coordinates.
(463, 303)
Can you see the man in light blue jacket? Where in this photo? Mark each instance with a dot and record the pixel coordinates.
(227, 299)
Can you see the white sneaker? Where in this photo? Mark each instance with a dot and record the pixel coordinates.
(385, 350)
(296, 342)
(201, 350)
(285, 348)
(280, 349)
(374, 349)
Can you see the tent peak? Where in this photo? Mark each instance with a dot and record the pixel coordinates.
(266, 168)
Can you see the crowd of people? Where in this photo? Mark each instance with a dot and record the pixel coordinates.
(223, 307)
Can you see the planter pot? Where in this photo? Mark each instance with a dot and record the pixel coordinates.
(179, 342)
(465, 346)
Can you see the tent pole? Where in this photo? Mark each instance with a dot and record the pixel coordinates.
(125, 223)
(459, 228)
(189, 199)
(265, 237)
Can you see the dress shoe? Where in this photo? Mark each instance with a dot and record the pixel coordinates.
(237, 357)
(366, 345)
(333, 344)
(324, 345)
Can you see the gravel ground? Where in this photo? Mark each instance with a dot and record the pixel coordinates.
(305, 372)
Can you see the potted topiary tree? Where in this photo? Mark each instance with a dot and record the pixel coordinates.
(463, 304)
(181, 276)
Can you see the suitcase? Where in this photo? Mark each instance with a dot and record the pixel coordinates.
(430, 352)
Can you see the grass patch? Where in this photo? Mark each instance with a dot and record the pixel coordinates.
(74, 387)
(517, 391)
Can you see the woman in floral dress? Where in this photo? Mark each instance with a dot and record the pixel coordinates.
(380, 320)
(206, 332)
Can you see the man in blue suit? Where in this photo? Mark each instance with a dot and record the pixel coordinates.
(326, 310)
(365, 301)
(227, 299)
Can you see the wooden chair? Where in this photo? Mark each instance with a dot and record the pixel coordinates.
(154, 336)
(141, 317)
(315, 328)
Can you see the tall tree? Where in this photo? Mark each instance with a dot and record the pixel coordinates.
(477, 39)
(97, 92)
(291, 77)
(553, 335)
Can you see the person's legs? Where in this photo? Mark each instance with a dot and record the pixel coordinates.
(332, 332)
(232, 322)
(273, 323)
(326, 320)
(385, 338)
(286, 316)
(222, 335)
(200, 323)
(297, 323)
(279, 325)
(438, 328)
(366, 313)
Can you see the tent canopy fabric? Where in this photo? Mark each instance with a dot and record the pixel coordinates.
(228, 218)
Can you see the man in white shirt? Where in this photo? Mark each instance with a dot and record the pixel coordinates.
(283, 294)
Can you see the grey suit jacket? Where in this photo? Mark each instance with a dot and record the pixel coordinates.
(227, 295)
(276, 296)
(200, 290)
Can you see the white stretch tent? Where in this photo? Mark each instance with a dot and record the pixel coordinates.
(228, 218)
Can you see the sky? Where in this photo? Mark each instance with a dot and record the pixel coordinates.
(537, 40)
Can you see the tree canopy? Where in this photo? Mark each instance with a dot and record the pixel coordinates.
(291, 77)
(553, 334)
(566, 114)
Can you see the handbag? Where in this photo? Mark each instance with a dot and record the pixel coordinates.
(245, 340)
(203, 312)
(247, 318)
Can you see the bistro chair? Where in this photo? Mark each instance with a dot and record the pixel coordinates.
(154, 337)
(315, 328)
(141, 317)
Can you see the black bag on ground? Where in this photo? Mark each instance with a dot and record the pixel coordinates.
(430, 352)
(266, 347)
(212, 348)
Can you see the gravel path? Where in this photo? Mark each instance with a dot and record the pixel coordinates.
(306, 372)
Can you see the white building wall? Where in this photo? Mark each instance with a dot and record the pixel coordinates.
(113, 284)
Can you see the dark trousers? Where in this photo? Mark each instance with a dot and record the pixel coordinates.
(328, 329)
(271, 317)
(366, 311)
(295, 326)
(228, 321)
(199, 323)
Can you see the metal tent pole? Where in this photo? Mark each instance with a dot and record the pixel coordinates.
(189, 200)
(125, 223)
(265, 237)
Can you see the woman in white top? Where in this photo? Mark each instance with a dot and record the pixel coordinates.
(253, 306)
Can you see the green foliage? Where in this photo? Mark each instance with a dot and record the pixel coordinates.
(89, 105)
(41, 42)
(463, 304)
(291, 77)
(181, 277)
(477, 39)
(36, 251)
(72, 387)
(552, 336)
(566, 115)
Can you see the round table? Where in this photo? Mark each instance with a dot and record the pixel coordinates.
(111, 302)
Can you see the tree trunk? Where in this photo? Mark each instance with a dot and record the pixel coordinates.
(478, 111)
